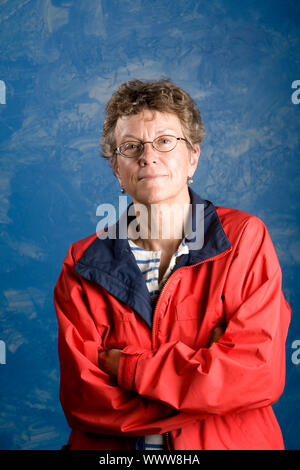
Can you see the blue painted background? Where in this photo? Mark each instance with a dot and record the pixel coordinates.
(60, 62)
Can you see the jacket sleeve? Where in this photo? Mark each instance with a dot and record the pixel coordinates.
(246, 368)
(91, 399)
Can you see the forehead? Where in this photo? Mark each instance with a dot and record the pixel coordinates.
(149, 121)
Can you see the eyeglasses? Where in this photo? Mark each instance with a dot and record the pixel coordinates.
(135, 148)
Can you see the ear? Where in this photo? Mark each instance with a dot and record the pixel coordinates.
(115, 167)
(194, 158)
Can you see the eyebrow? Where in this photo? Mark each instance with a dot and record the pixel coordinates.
(159, 132)
(131, 136)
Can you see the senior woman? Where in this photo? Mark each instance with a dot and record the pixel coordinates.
(164, 343)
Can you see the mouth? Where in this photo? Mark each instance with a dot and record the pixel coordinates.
(151, 177)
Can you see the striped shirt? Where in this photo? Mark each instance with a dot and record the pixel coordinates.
(148, 262)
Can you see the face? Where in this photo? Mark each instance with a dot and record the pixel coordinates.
(155, 177)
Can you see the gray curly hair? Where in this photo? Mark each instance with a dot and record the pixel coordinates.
(133, 96)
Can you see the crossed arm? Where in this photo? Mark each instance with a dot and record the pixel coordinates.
(109, 360)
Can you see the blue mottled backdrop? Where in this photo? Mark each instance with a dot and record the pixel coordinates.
(60, 62)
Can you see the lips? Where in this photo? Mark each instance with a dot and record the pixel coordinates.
(150, 176)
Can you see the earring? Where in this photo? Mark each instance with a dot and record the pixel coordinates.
(190, 180)
(122, 190)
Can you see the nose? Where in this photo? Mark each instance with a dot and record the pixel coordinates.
(149, 154)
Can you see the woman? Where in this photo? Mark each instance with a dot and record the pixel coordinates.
(164, 342)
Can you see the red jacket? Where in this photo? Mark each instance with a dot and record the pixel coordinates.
(169, 380)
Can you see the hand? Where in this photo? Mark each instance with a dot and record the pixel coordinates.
(218, 331)
(109, 361)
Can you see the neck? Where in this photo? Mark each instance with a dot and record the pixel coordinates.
(160, 226)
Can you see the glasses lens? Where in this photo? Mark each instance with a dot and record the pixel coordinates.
(131, 149)
(165, 143)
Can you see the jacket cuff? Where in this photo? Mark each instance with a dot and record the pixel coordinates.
(127, 367)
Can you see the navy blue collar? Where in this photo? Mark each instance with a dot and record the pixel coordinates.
(111, 264)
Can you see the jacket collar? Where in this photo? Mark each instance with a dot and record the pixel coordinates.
(110, 263)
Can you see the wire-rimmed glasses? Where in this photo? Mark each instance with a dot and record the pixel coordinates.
(135, 148)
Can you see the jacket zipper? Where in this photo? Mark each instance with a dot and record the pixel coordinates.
(167, 439)
(166, 435)
(166, 284)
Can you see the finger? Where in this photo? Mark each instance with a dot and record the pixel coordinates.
(102, 359)
(218, 331)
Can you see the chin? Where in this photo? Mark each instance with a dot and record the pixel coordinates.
(148, 196)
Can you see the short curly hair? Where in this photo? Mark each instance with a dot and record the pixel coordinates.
(133, 96)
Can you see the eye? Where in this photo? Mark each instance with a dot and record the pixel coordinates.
(130, 145)
(165, 143)
(164, 140)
